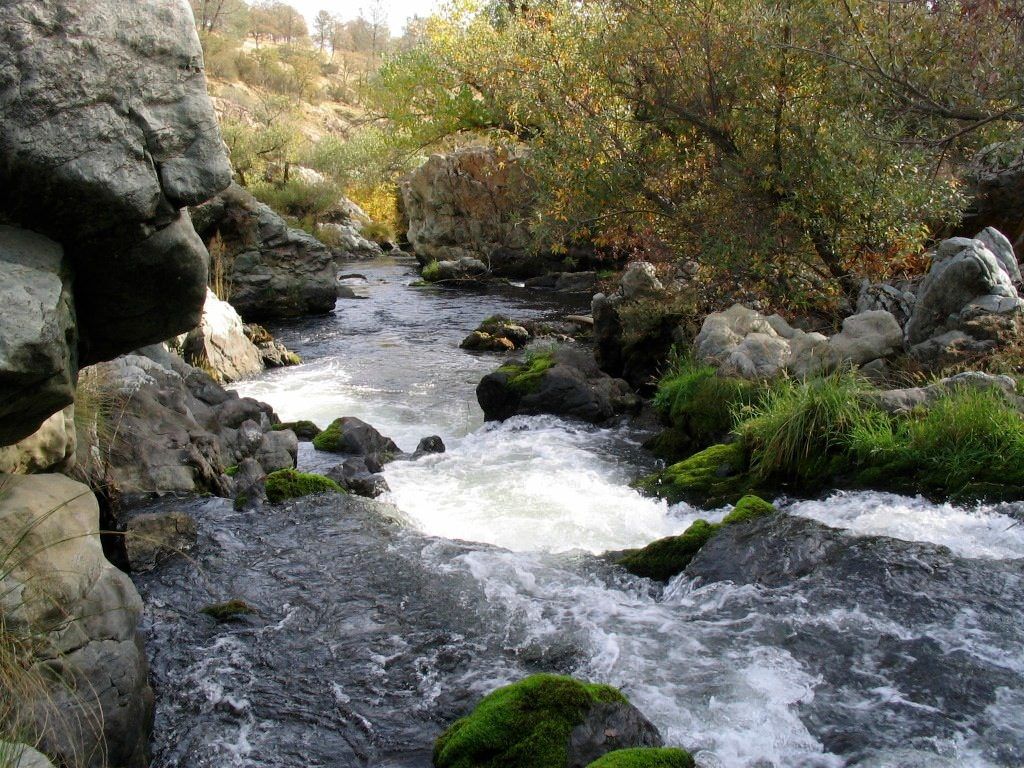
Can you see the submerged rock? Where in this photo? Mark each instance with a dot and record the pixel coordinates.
(153, 537)
(564, 382)
(546, 720)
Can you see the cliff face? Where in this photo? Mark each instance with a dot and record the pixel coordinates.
(107, 134)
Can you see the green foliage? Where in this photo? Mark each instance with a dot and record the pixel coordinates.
(227, 611)
(800, 429)
(664, 558)
(291, 484)
(521, 725)
(431, 272)
(651, 757)
(967, 438)
(525, 378)
(303, 200)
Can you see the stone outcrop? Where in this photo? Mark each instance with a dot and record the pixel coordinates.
(463, 268)
(470, 203)
(897, 299)
(58, 588)
(274, 353)
(269, 269)
(107, 134)
(563, 382)
(742, 342)
(348, 243)
(220, 345)
(163, 426)
(151, 538)
(51, 447)
(968, 303)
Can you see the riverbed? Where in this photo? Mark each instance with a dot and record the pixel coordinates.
(375, 630)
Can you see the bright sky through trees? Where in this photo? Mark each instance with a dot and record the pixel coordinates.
(398, 11)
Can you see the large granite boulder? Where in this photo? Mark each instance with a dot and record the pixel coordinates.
(57, 588)
(107, 134)
(177, 430)
(742, 342)
(38, 350)
(470, 203)
(269, 269)
(564, 382)
(968, 304)
(220, 344)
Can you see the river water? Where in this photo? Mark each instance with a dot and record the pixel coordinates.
(901, 646)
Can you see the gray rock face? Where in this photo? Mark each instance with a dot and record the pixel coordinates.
(606, 727)
(348, 244)
(963, 272)
(898, 300)
(219, 344)
(573, 386)
(59, 588)
(470, 203)
(107, 133)
(270, 270)
(38, 349)
(178, 430)
(639, 280)
(968, 303)
(745, 343)
(51, 447)
(906, 400)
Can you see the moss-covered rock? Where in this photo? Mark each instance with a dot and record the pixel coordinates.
(650, 757)
(291, 484)
(304, 430)
(717, 475)
(662, 559)
(525, 378)
(530, 724)
(226, 611)
(354, 436)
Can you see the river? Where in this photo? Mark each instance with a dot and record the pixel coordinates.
(904, 648)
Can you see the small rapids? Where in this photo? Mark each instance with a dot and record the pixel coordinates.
(863, 629)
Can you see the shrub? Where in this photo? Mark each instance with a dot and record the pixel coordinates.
(431, 272)
(291, 484)
(300, 199)
(524, 724)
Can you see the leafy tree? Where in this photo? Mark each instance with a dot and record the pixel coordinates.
(323, 25)
(793, 143)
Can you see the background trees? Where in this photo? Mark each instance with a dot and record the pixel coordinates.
(797, 143)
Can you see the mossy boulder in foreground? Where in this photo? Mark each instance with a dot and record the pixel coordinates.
(664, 558)
(355, 437)
(304, 430)
(665, 757)
(717, 475)
(291, 484)
(544, 721)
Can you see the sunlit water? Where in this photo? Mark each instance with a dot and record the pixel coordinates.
(901, 646)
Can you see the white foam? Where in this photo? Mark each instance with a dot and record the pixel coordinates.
(528, 484)
(981, 531)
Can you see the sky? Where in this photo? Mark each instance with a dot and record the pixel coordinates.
(398, 11)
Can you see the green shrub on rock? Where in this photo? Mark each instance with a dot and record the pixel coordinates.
(662, 559)
(524, 724)
(291, 484)
(646, 757)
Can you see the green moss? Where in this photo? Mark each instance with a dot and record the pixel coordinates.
(665, 757)
(431, 272)
(304, 430)
(331, 439)
(291, 484)
(717, 475)
(662, 559)
(231, 471)
(750, 507)
(240, 502)
(522, 725)
(229, 610)
(524, 378)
